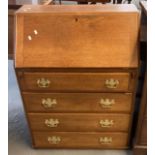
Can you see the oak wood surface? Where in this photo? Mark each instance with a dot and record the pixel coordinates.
(80, 140)
(75, 82)
(92, 9)
(79, 122)
(95, 44)
(78, 48)
(78, 102)
(13, 6)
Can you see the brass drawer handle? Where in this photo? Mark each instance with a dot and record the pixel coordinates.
(105, 140)
(107, 103)
(52, 123)
(48, 103)
(106, 123)
(54, 140)
(43, 83)
(111, 83)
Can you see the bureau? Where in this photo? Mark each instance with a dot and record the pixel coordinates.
(77, 70)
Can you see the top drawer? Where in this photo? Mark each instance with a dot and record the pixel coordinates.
(73, 82)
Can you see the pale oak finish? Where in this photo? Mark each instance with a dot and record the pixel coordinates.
(76, 51)
(74, 82)
(80, 140)
(79, 102)
(13, 6)
(81, 122)
(87, 39)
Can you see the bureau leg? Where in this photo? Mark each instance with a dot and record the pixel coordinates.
(140, 150)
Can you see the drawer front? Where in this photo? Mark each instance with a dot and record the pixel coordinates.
(73, 82)
(80, 140)
(79, 122)
(78, 102)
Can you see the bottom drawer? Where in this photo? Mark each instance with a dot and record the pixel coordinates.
(80, 140)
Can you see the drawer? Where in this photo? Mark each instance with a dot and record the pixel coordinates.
(80, 140)
(78, 122)
(73, 82)
(77, 102)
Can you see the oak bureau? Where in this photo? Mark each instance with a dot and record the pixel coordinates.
(77, 71)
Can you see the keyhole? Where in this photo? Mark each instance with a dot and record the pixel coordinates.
(76, 19)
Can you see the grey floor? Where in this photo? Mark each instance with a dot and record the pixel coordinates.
(19, 138)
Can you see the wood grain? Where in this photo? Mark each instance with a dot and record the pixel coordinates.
(92, 9)
(76, 49)
(78, 102)
(74, 82)
(80, 36)
(80, 140)
(13, 6)
(79, 122)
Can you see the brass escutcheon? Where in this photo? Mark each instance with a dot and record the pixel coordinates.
(48, 102)
(43, 83)
(106, 103)
(106, 123)
(54, 140)
(52, 123)
(111, 83)
(105, 140)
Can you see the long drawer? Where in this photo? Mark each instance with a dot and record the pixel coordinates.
(80, 140)
(78, 102)
(73, 82)
(78, 122)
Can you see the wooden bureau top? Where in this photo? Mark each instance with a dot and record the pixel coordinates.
(78, 8)
(80, 36)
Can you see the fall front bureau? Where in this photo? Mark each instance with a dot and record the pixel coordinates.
(77, 71)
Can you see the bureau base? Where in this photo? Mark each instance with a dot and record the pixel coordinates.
(140, 150)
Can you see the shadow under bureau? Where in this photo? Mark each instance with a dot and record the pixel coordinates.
(77, 71)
